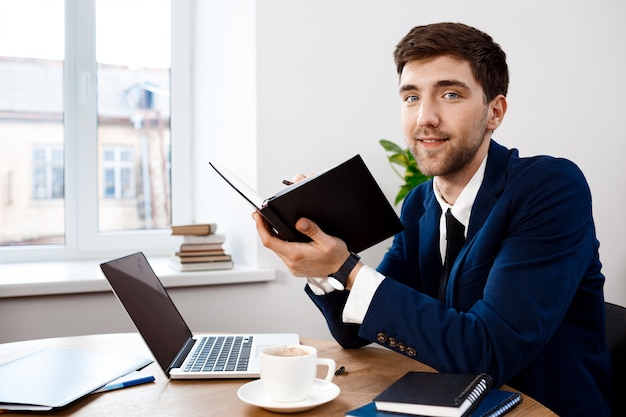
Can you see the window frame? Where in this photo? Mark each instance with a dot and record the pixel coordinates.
(82, 238)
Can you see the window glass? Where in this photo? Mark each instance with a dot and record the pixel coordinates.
(32, 204)
(41, 142)
(133, 78)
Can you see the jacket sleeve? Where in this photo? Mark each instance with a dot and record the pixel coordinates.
(331, 305)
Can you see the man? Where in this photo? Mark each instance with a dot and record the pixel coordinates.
(524, 300)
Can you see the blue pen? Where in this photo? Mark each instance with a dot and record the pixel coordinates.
(118, 385)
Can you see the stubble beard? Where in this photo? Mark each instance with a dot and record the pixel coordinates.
(455, 156)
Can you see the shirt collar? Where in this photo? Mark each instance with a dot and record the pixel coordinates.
(462, 208)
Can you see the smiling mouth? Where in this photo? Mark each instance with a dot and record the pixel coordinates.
(432, 140)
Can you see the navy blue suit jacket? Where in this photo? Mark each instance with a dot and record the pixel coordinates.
(524, 301)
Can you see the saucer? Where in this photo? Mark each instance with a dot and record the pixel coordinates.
(252, 393)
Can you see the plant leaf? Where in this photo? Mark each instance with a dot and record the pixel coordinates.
(403, 157)
(389, 146)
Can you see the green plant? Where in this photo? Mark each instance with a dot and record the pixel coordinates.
(412, 176)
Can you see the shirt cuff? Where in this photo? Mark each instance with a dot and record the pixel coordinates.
(365, 285)
(319, 286)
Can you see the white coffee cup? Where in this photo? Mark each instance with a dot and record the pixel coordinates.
(288, 372)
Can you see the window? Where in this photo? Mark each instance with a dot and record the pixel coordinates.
(118, 167)
(85, 139)
(47, 179)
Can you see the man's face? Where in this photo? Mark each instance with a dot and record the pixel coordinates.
(444, 116)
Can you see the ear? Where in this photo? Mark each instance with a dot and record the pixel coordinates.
(497, 110)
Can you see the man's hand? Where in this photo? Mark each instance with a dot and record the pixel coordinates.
(322, 256)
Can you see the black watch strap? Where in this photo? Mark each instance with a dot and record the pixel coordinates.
(339, 278)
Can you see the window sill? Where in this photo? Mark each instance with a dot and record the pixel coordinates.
(75, 277)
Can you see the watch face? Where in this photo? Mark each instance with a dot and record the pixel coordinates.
(334, 282)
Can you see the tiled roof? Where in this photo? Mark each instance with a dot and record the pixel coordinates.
(33, 86)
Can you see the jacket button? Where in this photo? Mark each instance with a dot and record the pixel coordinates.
(393, 342)
(411, 352)
(401, 347)
(381, 338)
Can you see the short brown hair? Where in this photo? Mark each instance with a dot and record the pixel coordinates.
(487, 60)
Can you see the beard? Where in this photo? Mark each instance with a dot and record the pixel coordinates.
(455, 155)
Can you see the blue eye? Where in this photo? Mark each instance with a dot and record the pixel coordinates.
(411, 99)
(451, 96)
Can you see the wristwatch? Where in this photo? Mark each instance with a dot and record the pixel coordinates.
(339, 278)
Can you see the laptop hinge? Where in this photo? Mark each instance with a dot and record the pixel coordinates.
(182, 354)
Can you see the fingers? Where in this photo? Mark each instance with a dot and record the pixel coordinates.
(323, 241)
(298, 177)
(269, 239)
(262, 229)
(318, 258)
(309, 228)
(303, 225)
(282, 249)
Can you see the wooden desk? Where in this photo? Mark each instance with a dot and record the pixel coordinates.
(368, 371)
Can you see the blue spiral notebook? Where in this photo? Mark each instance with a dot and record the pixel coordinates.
(497, 403)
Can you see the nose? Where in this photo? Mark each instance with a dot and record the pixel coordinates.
(428, 114)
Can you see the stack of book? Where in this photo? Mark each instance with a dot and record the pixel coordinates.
(201, 249)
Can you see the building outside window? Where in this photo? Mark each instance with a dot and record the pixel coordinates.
(85, 139)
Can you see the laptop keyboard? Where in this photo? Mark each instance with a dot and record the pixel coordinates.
(220, 354)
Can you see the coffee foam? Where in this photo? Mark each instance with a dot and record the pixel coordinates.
(290, 351)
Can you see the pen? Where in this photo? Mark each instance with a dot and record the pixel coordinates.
(287, 182)
(125, 384)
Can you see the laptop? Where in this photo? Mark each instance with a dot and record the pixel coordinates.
(180, 354)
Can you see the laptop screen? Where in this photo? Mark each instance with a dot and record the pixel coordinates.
(149, 306)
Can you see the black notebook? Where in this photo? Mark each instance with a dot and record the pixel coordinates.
(345, 201)
(434, 394)
(496, 404)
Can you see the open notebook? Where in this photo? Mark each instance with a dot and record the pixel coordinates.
(345, 201)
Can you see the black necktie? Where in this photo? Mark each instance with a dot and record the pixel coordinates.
(455, 238)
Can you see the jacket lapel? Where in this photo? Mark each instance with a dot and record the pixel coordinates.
(430, 256)
(491, 188)
(493, 184)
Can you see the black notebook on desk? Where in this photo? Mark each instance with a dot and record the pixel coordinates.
(345, 201)
(496, 404)
(434, 394)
